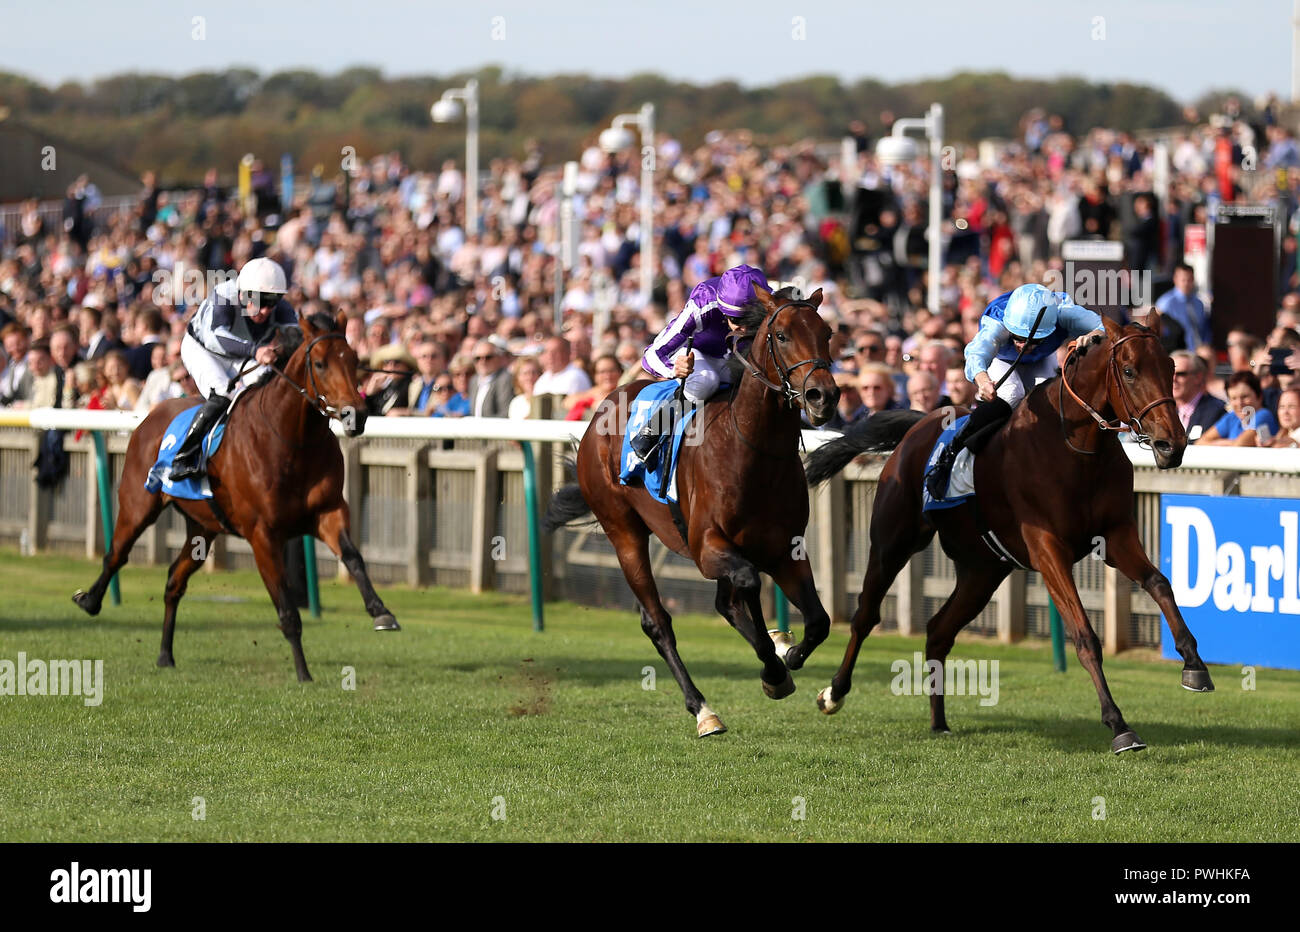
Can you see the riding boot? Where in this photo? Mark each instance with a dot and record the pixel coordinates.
(985, 419)
(188, 460)
(647, 442)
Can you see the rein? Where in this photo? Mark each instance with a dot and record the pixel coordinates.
(319, 401)
(1132, 422)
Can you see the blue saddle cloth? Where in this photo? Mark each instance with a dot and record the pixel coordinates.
(944, 441)
(159, 478)
(663, 488)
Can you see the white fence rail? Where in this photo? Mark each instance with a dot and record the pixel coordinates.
(430, 495)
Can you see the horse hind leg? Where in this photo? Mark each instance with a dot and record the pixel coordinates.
(890, 551)
(137, 509)
(193, 553)
(973, 590)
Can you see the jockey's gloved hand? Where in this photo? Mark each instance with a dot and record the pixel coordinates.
(1081, 344)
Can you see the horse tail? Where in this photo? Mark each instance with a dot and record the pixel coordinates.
(567, 504)
(879, 433)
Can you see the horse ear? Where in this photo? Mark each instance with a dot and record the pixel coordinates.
(1113, 330)
(342, 320)
(306, 324)
(763, 296)
(1153, 319)
(815, 299)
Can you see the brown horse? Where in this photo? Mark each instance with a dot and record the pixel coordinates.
(741, 490)
(1049, 485)
(278, 475)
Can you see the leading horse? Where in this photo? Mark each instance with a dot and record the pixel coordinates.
(741, 490)
(1050, 485)
(278, 475)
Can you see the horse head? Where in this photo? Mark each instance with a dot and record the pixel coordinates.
(790, 350)
(1138, 378)
(324, 367)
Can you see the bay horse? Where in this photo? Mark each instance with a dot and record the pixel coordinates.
(1049, 485)
(277, 476)
(741, 491)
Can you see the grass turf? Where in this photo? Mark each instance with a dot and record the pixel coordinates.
(466, 713)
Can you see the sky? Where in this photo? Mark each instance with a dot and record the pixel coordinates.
(1185, 47)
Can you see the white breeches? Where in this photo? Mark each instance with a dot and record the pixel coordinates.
(704, 379)
(1026, 376)
(212, 374)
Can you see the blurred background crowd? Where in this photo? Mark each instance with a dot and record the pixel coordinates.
(456, 322)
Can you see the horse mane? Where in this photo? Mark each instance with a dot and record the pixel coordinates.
(290, 337)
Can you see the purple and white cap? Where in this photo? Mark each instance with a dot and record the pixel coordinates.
(736, 288)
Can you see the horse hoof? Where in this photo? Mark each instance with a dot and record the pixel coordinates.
(304, 678)
(827, 703)
(707, 723)
(781, 690)
(386, 623)
(1198, 681)
(1129, 741)
(82, 598)
(165, 661)
(942, 730)
(782, 640)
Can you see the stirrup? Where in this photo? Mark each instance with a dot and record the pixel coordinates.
(936, 480)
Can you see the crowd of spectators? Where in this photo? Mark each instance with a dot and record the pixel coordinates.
(458, 322)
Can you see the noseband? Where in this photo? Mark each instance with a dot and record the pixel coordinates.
(1133, 422)
(786, 389)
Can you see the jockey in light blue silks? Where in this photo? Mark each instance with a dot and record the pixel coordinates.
(1007, 331)
(710, 316)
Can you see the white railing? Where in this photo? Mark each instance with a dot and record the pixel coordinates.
(1230, 459)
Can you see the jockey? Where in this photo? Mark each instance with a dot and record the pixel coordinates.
(1030, 323)
(711, 315)
(233, 325)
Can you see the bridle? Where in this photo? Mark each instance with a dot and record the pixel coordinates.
(786, 389)
(1131, 422)
(313, 395)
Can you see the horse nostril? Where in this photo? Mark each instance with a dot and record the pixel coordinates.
(1163, 447)
(814, 396)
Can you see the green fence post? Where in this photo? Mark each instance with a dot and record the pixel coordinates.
(782, 612)
(534, 534)
(313, 584)
(105, 505)
(1058, 637)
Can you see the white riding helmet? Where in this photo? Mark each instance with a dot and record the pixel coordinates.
(262, 276)
(1022, 311)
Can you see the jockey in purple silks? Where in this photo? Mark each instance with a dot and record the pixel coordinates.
(710, 316)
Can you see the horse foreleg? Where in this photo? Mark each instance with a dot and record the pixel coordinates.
(1124, 552)
(268, 550)
(1051, 557)
(889, 554)
(632, 545)
(718, 559)
(796, 580)
(193, 552)
(137, 509)
(334, 528)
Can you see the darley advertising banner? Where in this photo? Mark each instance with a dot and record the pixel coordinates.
(1233, 563)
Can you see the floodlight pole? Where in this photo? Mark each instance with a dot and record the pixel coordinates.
(932, 124)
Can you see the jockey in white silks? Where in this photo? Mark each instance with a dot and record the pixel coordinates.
(233, 325)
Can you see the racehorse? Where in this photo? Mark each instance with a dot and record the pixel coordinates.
(1049, 485)
(741, 491)
(277, 475)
